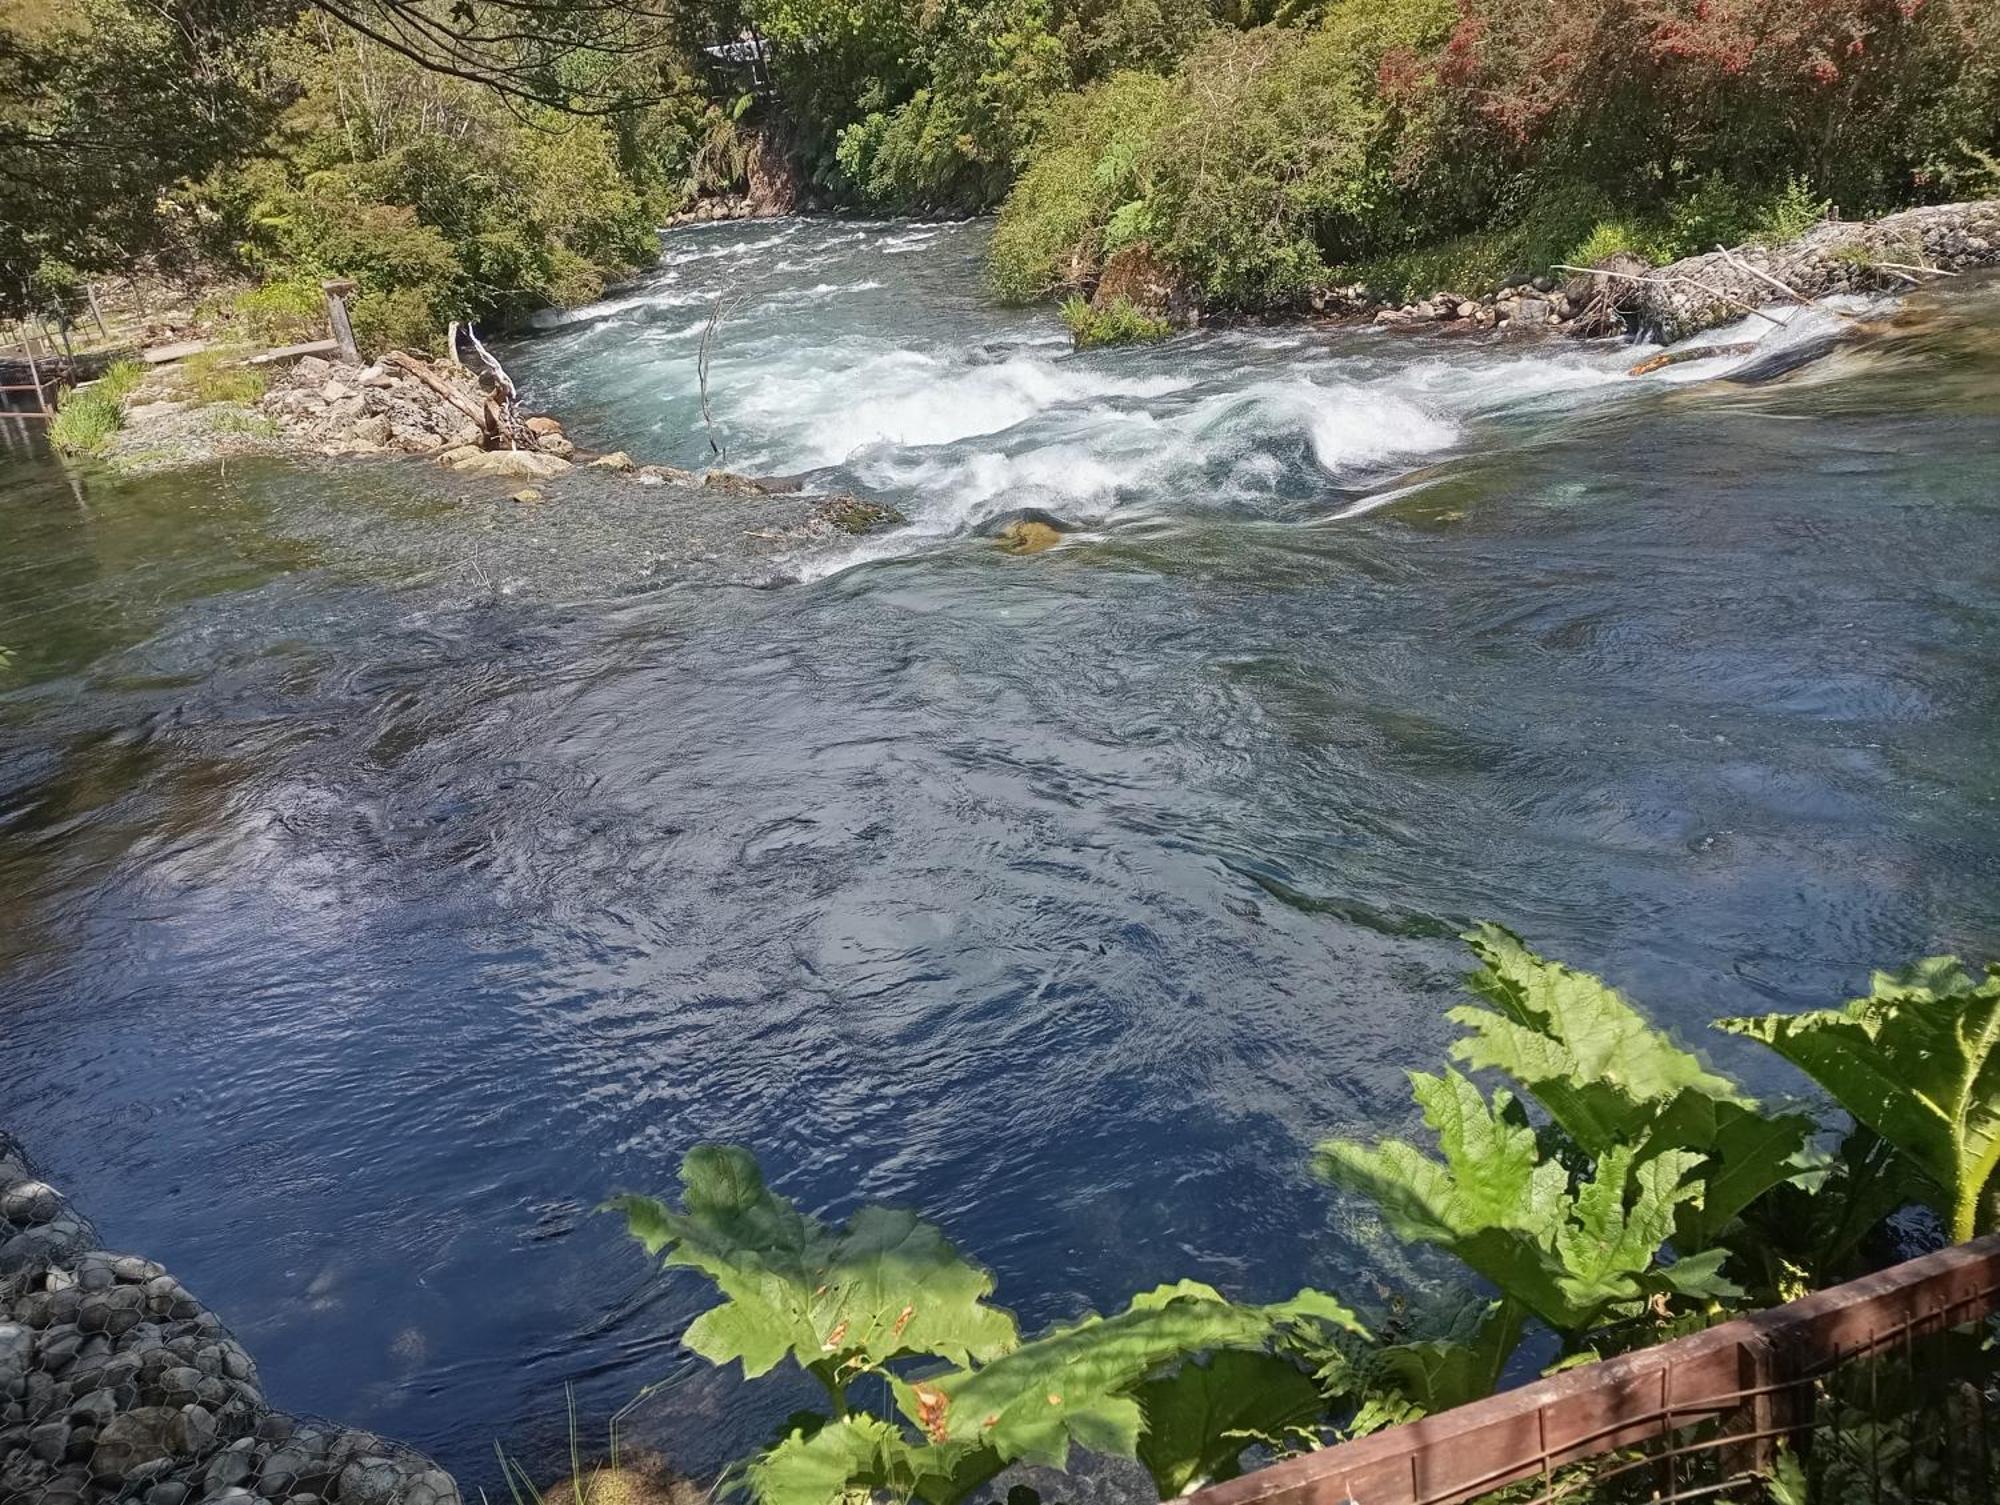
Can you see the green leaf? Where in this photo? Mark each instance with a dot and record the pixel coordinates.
(838, 1301)
(1572, 1040)
(1075, 1386)
(818, 1466)
(1916, 1062)
(1495, 1203)
(1199, 1420)
(1437, 1355)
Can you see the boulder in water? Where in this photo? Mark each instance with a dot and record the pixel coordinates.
(523, 464)
(1026, 530)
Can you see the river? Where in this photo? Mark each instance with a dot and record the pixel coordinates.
(387, 874)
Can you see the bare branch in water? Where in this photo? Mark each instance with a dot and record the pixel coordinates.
(725, 305)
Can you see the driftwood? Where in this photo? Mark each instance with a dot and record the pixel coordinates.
(1677, 357)
(443, 389)
(1693, 282)
(1768, 280)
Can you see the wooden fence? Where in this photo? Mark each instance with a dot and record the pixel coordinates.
(1750, 1378)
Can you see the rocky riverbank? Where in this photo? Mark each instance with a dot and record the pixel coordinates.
(403, 405)
(117, 1383)
(1916, 248)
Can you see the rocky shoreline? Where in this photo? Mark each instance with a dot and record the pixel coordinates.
(403, 405)
(1901, 252)
(117, 1383)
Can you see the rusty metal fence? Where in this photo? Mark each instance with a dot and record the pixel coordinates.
(1878, 1392)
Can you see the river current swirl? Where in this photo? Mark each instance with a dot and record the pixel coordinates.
(386, 874)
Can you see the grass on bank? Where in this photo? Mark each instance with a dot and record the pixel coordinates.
(1121, 322)
(88, 416)
(216, 376)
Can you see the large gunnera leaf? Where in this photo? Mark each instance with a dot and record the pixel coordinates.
(1916, 1062)
(1610, 1079)
(1200, 1418)
(838, 1300)
(864, 1454)
(1077, 1385)
(1572, 1256)
(1574, 1041)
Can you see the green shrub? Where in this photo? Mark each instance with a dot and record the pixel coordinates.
(85, 420)
(1122, 322)
(1645, 1196)
(1610, 238)
(217, 376)
(1090, 163)
(121, 379)
(1788, 214)
(400, 320)
(283, 313)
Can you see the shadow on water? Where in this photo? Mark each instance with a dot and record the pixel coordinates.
(386, 874)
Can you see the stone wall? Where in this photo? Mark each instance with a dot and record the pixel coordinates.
(116, 1383)
(1894, 254)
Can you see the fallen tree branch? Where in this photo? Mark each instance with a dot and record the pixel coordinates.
(722, 310)
(1765, 277)
(1677, 357)
(443, 389)
(1713, 292)
(1899, 266)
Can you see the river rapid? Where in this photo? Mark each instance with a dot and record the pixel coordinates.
(387, 873)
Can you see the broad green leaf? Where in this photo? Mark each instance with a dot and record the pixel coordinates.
(1915, 1061)
(866, 1454)
(1199, 1419)
(1439, 1354)
(837, 1300)
(1075, 1386)
(1571, 1257)
(1609, 1078)
(1572, 1040)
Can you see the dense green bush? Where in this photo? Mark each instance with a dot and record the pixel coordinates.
(1618, 1192)
(1418, 144)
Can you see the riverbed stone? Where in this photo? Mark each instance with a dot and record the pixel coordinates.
(523, 464)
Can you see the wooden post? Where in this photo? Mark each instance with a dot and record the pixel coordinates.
(336, 315)
(90, 292)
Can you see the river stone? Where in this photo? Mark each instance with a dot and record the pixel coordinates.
(369, 1480)
(129, 1441)
(30, 1202)
(50, 1441)
(617, 460)
(521, 464)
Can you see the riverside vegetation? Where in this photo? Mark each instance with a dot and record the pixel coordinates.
(479, 161)
(1628, 1194)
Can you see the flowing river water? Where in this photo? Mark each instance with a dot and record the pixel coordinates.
(387, 873)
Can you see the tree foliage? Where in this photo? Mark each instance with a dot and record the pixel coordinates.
(1918, 1062)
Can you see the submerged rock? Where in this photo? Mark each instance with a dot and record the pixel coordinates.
(522, 464)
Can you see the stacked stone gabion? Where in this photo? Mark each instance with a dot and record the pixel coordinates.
(117, 1384)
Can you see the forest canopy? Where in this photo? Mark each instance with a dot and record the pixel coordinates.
(484, 157)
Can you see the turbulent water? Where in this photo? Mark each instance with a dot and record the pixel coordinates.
(387, 873)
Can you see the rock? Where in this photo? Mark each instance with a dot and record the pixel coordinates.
(49, 1441)
(310, 368)
(540, 425)
(524, 464)
(854, 514)
(1531, 313)
(140, 1436)
(659, 475)
(1133, 273)
(1391, 318)
(336, 391)
(173, 1492)
(617, 460)
(1468, 310)
(369, 1481)
(373, 431)
(729, 481)
(30, 1202)
(1028, 538)
(526, 494)
(557, 445)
